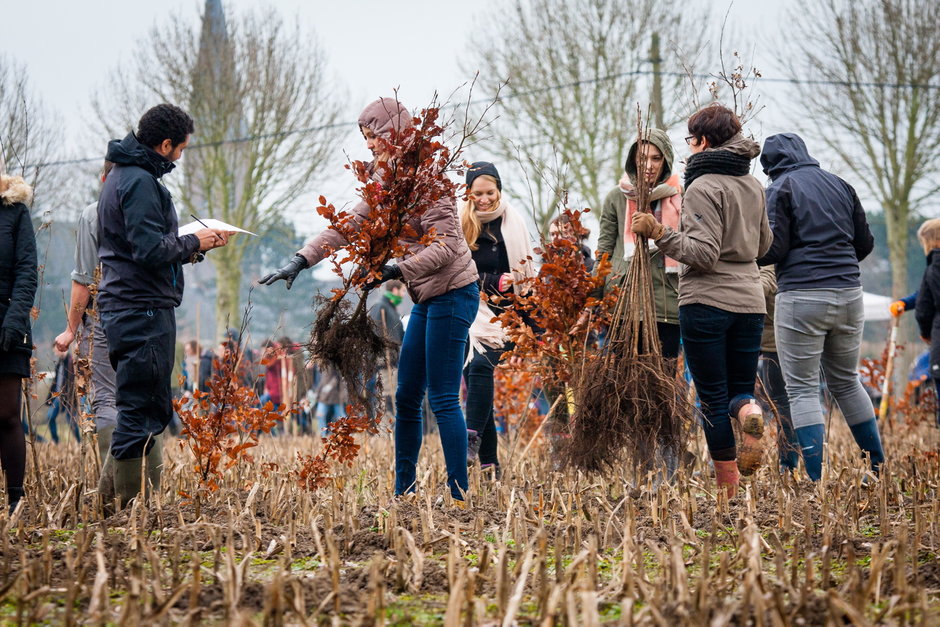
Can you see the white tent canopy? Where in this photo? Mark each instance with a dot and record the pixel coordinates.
(876, 307)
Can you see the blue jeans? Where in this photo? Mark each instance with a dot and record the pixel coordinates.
(721, 350)
(326, 414)
(55, 408)
(431, 360)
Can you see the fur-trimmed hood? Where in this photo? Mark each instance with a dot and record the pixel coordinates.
(17, 190)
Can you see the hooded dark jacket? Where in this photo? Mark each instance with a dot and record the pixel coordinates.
(18, 274)
(428, 270)
(928, 309)
(141, 254)
(820, 230)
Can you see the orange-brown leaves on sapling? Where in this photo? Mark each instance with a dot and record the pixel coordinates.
(339, 446)
(554, 314)
(221, 426)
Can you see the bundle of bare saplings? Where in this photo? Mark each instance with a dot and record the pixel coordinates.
(628, 402)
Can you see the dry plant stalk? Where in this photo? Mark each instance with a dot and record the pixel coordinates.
(626, 400)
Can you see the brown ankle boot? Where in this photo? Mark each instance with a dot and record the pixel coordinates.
(751, 451)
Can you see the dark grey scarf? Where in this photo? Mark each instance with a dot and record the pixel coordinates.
(715, 162)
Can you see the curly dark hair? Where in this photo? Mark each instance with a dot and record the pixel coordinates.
(164, 121)
(716, 123)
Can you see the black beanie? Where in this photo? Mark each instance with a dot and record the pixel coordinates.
(478, 168)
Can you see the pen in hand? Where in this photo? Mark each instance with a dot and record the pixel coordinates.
(204, 224)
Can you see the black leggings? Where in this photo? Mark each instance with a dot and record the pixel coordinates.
(12, 439)
(480, 390)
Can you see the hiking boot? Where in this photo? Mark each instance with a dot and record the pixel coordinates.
(473, 446)
(750, 453)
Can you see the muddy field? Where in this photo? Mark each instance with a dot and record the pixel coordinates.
(542, 546)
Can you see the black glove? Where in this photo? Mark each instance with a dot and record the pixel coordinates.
(10, 338)
(389, 272)
(289, 272)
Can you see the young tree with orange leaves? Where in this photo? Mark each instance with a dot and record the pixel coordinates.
(554, 314)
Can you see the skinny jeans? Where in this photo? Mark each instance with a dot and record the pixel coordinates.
(822, 328)
(431, 360)
(721, 349)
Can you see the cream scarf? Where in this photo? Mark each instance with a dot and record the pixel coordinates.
(485, 330)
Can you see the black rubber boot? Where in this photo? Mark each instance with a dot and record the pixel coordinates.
(14, 495)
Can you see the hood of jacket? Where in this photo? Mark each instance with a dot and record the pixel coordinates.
(660, 139)
(784, 152)
(740, 145)
(129, 151)
(385, 115)
(16, 190)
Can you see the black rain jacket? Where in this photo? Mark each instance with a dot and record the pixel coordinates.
(820, 229)
(927, 312)
(18, 273)
(141, 254)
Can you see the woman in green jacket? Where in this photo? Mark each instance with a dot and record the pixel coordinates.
(652, 158)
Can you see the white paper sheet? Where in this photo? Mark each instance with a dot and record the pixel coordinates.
(211, 223)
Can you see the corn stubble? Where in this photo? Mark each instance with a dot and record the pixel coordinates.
(542, 547)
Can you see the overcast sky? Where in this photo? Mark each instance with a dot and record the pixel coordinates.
(69, 47)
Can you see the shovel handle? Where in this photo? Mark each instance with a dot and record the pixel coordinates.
(889, 368)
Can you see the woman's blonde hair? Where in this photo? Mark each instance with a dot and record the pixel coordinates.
(929, 232)
(469, 222)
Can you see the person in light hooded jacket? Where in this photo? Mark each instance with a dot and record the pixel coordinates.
(442, 281)
(820, 236)
(723, 230)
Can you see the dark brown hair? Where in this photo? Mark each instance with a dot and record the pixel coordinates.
(716, 123)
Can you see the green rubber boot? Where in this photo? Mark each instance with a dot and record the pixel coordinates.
(106, 485)
(104, 442)
(127, 476)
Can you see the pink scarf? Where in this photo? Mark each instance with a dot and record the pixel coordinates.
(667, 211)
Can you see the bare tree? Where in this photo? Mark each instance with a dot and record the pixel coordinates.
(265, 113)
(576, 71)
(27, 133)
(870, 90)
